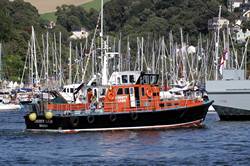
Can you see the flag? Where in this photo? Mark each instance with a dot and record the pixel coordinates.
(223, 59)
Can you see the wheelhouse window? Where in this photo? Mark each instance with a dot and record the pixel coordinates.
(126, 91)
(118, 80)
(131, 79)
(124, 79)
(120, 92)
(153, 79)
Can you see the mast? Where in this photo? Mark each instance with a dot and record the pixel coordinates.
(103, 55)
(70, 69)
(0, 61)
(184, 72)
(47, 59)
(60, 59)
(34, 54)
(217, 45)
(128, 53)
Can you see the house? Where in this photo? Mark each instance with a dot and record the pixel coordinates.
(81, 34)
(241, 36)
(233, 4)
(50, 25)
(215, 22)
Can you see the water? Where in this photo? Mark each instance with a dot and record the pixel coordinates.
(218, 143)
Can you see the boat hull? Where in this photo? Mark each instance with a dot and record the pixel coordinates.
(232, 114)
(231, 98)
(171, 118)
(9, 107)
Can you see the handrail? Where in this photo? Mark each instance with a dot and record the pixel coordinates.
(125, 106)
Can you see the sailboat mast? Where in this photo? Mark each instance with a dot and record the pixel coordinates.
(217, 45)
(70, 69)
(47, 59)
(0, 61)
(34, 54)
(60, 59)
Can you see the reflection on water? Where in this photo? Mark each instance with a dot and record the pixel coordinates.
(218, 143)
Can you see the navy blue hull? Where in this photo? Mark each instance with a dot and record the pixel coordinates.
(152, 119)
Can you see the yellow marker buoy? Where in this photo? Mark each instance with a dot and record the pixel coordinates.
(32, 116)
(48, 115)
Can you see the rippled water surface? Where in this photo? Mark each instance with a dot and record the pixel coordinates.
(218, 143)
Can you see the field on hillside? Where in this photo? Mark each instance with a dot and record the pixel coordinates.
(46, 6)
(87, 5)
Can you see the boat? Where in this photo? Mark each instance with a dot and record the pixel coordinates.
(118, 107)
(231, 95)
(9, 107)
(7, 103)
(68, 92)
(230, 86)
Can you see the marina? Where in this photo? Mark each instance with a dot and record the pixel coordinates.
(103, 82)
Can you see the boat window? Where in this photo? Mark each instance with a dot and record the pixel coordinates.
(126, 91)
(153, 79)
(145, 80)
(95, 92)
(64, 90)
(118, 80)
(103, 92)
(131, 79)
(169, 104)
(131, 90)
(71, 90)
(119, 92)
(124, 79)
(142, 92)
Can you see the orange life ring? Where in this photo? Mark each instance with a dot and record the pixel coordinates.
(111, 96)
(149, 93)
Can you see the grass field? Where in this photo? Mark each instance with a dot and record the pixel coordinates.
(95, 4)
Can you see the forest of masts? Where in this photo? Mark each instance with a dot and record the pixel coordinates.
(171, 59)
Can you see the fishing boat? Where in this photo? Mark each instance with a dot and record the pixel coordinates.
(118, 107)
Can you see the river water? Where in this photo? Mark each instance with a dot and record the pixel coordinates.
(217, 143)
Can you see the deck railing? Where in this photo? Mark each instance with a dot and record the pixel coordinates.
(140, 105)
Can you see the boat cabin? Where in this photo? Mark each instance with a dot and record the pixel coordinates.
(124, 77)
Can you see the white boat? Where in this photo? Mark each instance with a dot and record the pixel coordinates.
(9, 107)
(231, 96)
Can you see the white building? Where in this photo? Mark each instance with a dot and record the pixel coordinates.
(232, 4)
(241, 36)
(82, 34)
(215, 22)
